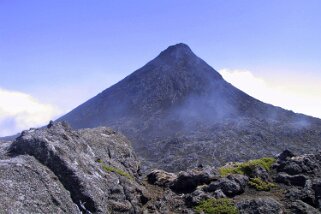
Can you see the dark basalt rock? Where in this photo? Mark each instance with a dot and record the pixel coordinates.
(59, 170)
(305, 194)
(308, 164)
(299, 193)
(299, 207)
(242, 180)
(161, 178)
(187, 182)
(316, 186)
(285, 155)
(196, 197)
(230, 186)
(295, 180)
(260, 206)
(259, 172)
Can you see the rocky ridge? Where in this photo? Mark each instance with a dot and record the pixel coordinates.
(56, 169)
(290, 185)
(88, 171)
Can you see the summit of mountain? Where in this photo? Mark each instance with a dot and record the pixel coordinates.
(179, 112)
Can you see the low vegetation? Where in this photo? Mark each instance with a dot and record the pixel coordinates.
(261, 185)
(216, 206)
(113, 169)
(246, 168)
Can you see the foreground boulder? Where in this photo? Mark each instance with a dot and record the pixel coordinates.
(187, 182)
(161, 178)
(303, 164)
(299, 207)
(96, 168)
(296, 180)
(231, 185)
(27, 186)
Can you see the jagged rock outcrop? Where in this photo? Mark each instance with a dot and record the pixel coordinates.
(188, 181)
(302, 175)
(249, 193)
(179, 113)
(161, 178)
(231, 185)
(27, 186)
(59, 170)
(299, 207)
(94, 169)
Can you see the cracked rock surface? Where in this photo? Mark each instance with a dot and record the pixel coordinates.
(59, 170)
(27, 186)
(91, 170)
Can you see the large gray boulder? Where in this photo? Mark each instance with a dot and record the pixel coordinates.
(231, 185)
(96, 167)
(187, 181)
(27, 186)
(296, 180)
(161, 178)
(299, 207)
(309, 164)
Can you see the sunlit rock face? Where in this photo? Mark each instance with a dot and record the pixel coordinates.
(179, 112)
(59, 170)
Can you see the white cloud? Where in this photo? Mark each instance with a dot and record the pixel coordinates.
(300, 98)
(19, 111)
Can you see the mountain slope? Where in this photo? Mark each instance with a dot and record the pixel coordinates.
(179, 112)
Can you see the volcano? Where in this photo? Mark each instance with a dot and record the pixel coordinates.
(179, 112)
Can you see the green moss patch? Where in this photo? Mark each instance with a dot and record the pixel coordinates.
(216, 206)
(261, 185)
(113, 169)
(246, 168)
(118, 171)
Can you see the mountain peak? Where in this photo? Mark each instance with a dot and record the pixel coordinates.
(178, 112)
(177, 51)
(182, 47)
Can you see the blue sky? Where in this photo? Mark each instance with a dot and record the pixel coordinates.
(54, 55)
